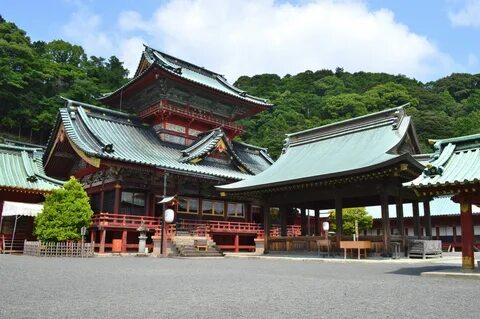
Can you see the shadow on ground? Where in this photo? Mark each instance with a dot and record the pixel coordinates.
(416, 271)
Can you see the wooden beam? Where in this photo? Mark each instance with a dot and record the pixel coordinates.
(283, 220)
(304, 221)
(468, 238)
(118, 193)
(103, 235)
(427, 218)
(416, 220)
(317, 222)
(386, 232)
(124, 241)
(266, 227)
(338, 219)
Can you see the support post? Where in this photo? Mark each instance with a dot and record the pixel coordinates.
(237, 243)
(93, 234)
(164, 224)
(103, 235)
(400, 219)
(304, 221)
(317, 222)
(338, 219)
(387, 237)
(124, 241)
(266, 227)
(427, 218)
(1, 215)
(283, 221)
(466, 219)
(118, 193)
(416, 219)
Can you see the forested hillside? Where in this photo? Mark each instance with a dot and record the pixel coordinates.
(33, 76)
(444, 108)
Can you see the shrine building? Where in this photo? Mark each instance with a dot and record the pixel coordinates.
(170, 131)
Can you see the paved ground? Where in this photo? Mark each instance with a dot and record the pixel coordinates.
(133, 287)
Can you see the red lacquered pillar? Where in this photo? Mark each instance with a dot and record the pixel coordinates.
(466, 220)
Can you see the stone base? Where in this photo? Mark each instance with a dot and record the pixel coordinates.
(157, 246)
(259, 246)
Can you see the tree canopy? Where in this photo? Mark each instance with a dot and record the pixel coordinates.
(65, 211)
(34, 74)
(350, 215)
(443, 108)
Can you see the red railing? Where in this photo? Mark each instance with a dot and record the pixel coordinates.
(234, 227)
(125, 221)
(198, 228)
(158, 107)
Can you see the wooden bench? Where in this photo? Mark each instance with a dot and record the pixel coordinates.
(359, 245)
(200, 244)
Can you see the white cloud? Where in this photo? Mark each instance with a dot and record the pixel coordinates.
(246, 37)
(84, 28)
(130, 51)
(467, 16)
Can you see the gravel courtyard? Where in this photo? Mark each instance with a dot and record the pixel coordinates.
(132, 287)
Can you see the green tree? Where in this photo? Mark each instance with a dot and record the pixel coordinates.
(350, 215)
(65, 211)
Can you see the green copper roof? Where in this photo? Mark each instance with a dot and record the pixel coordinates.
(192, 73)
(107, 134)
(349, 147)
(455, 162)
(21, 168)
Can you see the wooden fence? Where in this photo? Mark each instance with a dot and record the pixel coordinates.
(62, 249)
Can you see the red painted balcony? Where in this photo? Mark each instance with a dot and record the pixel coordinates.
(125, 221)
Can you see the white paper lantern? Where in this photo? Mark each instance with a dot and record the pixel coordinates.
(169, 216)
(326, 226)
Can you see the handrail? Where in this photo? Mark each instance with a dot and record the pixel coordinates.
(106, 219)
(195, 227)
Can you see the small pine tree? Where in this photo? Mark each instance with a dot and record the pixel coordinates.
(65, 211)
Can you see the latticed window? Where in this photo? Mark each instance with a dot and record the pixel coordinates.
(235, 210)
(188, 205)
(212, 207)
(132, 203)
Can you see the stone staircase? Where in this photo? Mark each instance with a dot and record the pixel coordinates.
(183, 245)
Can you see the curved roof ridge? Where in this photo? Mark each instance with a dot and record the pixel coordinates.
(105, 146)
(388, 113)
(72, 103)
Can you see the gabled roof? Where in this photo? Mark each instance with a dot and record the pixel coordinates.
(456, 161)
(252, 162)
(190, 72)
(346, 148)
(21, 168)
(105, 134)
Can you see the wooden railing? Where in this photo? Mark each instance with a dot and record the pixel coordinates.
(234, 227)
(198, 228)
(165, 105)
(125, 221)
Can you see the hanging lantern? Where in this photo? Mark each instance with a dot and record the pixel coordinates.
(169, 216)
(326, 226)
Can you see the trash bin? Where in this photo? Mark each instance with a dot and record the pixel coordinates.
(116, 246)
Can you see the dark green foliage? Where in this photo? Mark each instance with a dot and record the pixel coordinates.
(34, 75)
(350, 215)
(445, 108)
(64, 213)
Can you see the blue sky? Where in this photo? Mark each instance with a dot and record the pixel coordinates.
(425, 39)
